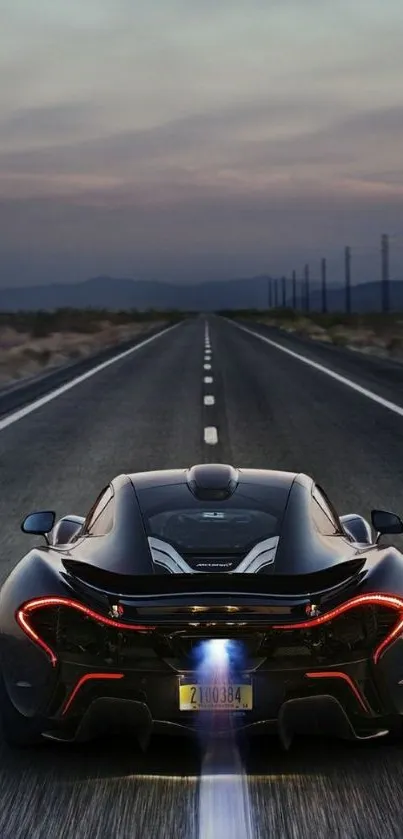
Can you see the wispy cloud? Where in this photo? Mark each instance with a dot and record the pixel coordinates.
(137, 134)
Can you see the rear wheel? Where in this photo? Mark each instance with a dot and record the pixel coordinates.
(18, 731)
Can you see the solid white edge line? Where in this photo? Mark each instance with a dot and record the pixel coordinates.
(38, 403)
(369, 394)
(208, 380)
(211, 435)
(209, 399)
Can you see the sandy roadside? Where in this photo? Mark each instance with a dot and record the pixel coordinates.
(23, 357)
(382, 338)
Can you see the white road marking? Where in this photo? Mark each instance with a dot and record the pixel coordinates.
(38, 403)
(208, 380)
(207, 366)
(391, 406)
(211, 435)
(209, 400)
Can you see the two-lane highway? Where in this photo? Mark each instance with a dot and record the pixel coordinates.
(204, 391)
(278, 412)
(142, 412)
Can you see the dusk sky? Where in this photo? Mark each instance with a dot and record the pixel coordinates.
(192, 139)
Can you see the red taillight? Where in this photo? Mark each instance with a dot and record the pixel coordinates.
(396, 631)
(22, 621)
(87, 678)
(333, 674)
(387, 600)
(27, 609)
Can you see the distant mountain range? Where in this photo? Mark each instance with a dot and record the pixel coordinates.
(365, 297)
(252, 292)
(115, 293)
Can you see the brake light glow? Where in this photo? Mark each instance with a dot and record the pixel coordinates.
(23, 613)
(387, 600)
(88, 678)
(333, 674)
(22, 621)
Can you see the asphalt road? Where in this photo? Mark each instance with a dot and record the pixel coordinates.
(266, 408)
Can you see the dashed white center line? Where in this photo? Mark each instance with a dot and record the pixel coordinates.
(210, 431)
(211, 435)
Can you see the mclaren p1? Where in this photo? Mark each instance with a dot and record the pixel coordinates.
(103, 623)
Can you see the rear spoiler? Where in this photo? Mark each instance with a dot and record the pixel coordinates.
(216, 583)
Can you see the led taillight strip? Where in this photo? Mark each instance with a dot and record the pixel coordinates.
(27, 609)
(390, 601)
(88, 678)
(334, 674)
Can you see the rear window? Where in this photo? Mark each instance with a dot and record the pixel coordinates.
(173, 514)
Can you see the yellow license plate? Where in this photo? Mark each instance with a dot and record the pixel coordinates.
(215, 697)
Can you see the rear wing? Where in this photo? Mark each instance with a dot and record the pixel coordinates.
(215, 585)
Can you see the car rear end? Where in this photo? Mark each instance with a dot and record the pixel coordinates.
(286, 663)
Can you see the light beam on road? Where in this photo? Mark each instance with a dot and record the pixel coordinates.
(224, 803)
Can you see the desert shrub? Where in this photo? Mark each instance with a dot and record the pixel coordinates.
(42, 323)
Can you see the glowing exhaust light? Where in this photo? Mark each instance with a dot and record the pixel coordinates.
(213, 660)
(218, 644)
(218, 651)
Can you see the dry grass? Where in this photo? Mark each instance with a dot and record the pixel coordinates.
(22, 355)
(373, 334)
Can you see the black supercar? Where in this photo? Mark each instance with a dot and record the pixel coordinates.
(102, 625)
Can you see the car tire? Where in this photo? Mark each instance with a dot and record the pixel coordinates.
(18, 731)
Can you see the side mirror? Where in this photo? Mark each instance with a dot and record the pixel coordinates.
(384, 522)
(39, 524)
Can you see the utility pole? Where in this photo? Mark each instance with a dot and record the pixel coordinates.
(284, 288)
(275, 294)
(385, 273)
(324, 285)
(347, 274)
(269, 293)
(307, 295)
(294, 290)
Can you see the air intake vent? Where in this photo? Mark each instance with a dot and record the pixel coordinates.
(212, 481)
